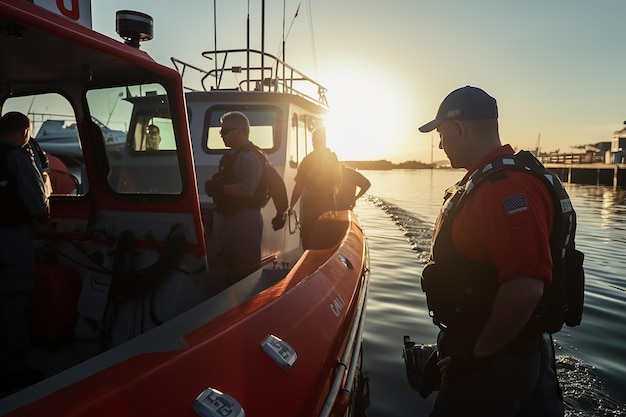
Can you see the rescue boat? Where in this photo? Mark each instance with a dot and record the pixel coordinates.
(125, 319)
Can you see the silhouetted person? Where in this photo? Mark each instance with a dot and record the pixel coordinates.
(491, 259)
(317, 180)
(239, 192)
(24, 202)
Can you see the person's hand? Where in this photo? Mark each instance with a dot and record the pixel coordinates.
(462, 362)
(279, 221)
(444, 364)
(213, 187)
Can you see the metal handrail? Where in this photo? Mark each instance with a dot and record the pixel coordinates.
(352, 351)
(277, 77)
(182, 66)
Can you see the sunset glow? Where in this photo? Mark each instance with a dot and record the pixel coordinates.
(388, 68)
(363, 116)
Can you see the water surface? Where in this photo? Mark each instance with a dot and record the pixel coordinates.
(398, 217)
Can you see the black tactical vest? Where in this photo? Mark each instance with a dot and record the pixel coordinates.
(226, 174)
(460, 292)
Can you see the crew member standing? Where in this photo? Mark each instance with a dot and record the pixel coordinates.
(318, 180)
(239, 191)
(24, 202)
(490, 260)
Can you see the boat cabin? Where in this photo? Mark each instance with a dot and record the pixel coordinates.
(283, 105)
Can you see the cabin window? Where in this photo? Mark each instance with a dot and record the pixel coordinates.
(263, 128)
(152, 133)
(143, 158)
(298, 146)
(54, 129)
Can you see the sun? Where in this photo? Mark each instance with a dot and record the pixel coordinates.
(362, 123)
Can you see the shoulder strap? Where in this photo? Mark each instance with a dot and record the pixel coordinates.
(277, 188)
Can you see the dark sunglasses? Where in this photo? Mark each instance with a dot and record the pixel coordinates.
(224, 132)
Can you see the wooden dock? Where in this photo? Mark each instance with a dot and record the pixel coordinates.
(592, 174)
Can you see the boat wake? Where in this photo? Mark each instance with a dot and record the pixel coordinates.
(417, 231)
(583, 389)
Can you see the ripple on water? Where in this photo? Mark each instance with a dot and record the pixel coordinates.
(583, 390)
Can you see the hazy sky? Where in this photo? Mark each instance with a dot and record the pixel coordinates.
(557, 68)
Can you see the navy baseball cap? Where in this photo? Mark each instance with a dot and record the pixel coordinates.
(466, 103)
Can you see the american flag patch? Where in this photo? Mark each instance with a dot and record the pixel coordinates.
(515, 204)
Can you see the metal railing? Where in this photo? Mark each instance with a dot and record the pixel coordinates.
(571, 158)
(261, 72)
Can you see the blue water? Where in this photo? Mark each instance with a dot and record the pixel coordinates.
(398, 216)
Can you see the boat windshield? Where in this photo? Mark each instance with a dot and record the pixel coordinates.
(145, 161)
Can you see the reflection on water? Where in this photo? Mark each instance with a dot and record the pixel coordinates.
(584, 391)
(398, 216)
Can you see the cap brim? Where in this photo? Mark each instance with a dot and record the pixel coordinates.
(430, 126)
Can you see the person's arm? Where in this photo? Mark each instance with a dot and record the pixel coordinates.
(515, 302)
(363, 183)
(295, 194)
(40, 157)
(47, 183)
(337, 176)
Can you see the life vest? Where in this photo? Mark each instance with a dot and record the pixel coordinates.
(227, 175)
(13, 211)
(460, 292)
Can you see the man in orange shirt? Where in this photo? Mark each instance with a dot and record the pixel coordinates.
(490, 260)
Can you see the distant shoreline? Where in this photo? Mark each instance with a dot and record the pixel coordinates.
(384, 165)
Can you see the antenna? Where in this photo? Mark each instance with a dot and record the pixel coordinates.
(284, 56)
(248, 49)
(263, 42)
(215, 37)
(133, 27)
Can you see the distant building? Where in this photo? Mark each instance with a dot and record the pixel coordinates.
(593, 154)
(617, 154)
